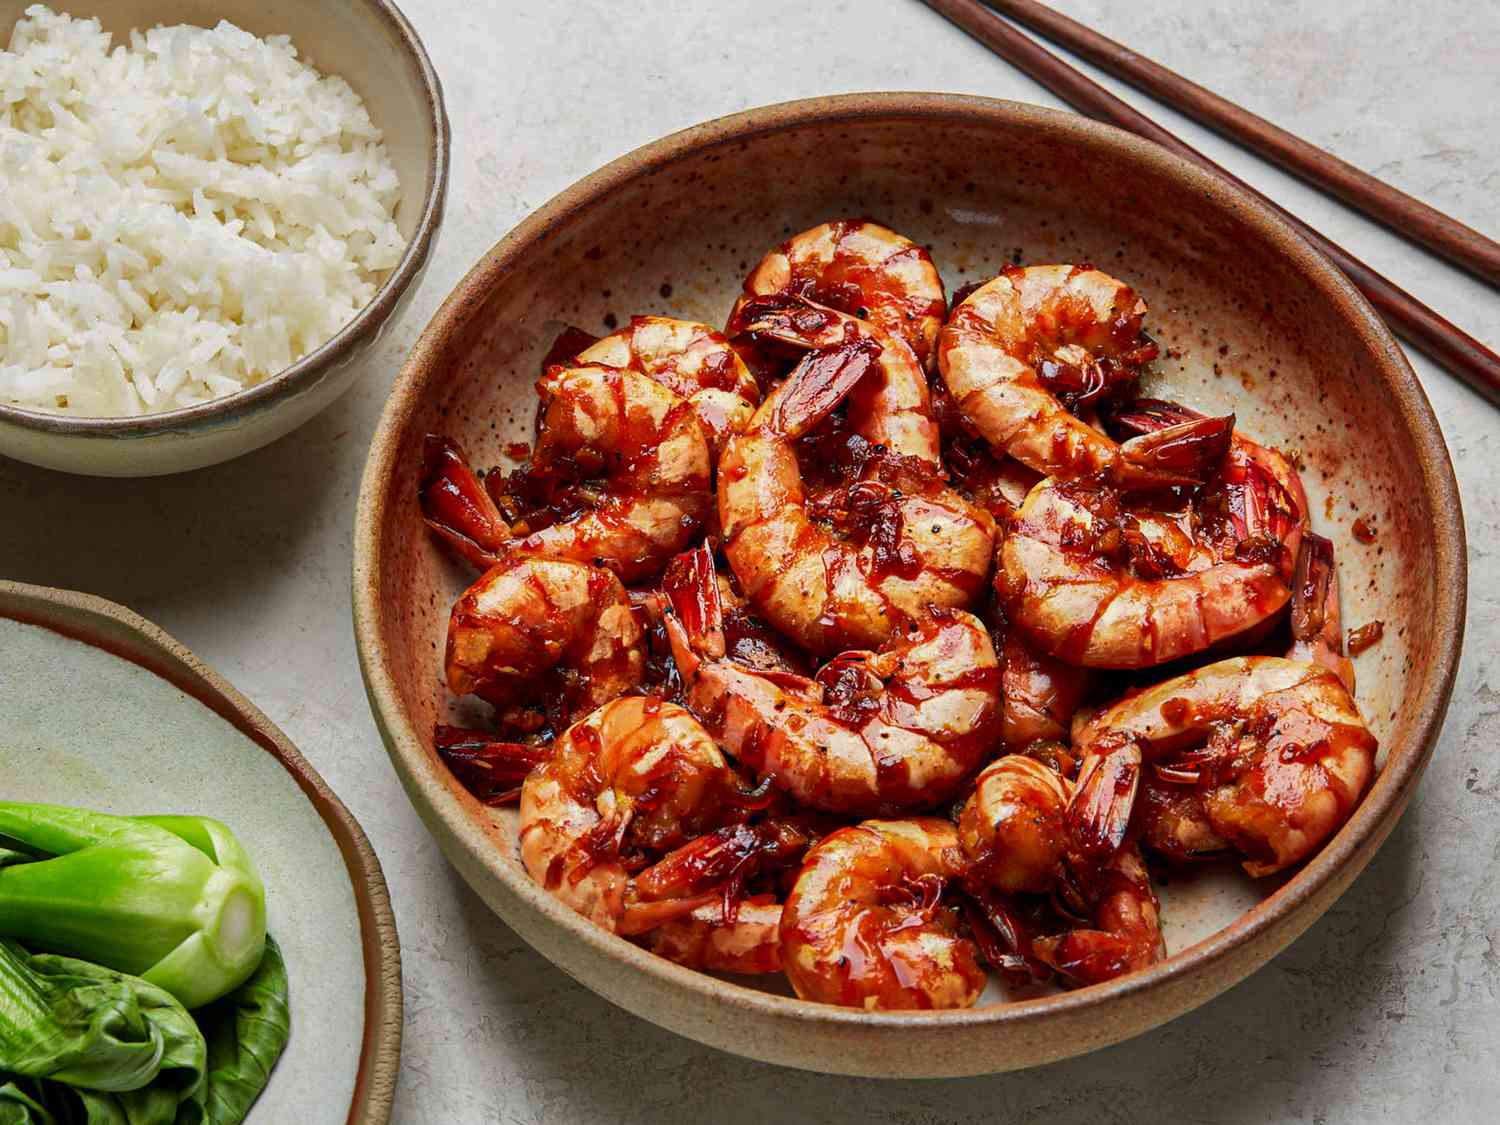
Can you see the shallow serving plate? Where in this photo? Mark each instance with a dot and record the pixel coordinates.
(368, 43)
(1251, 320)
(100, 708)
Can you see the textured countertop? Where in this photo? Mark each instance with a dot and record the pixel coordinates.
(1387, 1009)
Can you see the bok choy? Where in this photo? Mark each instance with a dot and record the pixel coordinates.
(73, 1039)
(174, 900)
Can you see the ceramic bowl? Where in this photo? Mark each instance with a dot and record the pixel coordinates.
(371, 45)
(1250, 319)
(102, 709)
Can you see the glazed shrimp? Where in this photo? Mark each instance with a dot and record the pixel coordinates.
(1098, 577)
(541, 628)
(746, 941)
(865, 925)
(863, 269)
(874, 732)
(1274, 752)
(909, 541)
(1123, 931)
(1014, 833)
(689, 359)
(621, 477)
(1171, 816)
(1022, 343)
(638, 775)
(1040, 693)
(1013, 828)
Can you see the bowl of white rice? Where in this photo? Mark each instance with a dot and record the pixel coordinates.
(208, 210)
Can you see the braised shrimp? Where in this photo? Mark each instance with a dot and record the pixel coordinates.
(866, 926)
(1101, 577)
(1040, 693)
(1013, 826)
(1014, 833)
(1271, 756)
(620, 476)
(863, 269)
(1028, 343)
(544, 632)
(875, 732)
(746, 940)
(637, 777)
(901, 541)
(1121, 930)
(689, 359)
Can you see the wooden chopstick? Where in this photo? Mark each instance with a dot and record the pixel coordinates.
(1419, 325)
(1402, 213)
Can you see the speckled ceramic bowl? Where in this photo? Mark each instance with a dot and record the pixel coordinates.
(1251, 320)
(371, 45)
(102, 709)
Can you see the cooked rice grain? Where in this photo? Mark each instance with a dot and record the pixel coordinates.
(179, 217)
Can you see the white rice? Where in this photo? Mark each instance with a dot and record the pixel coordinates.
(180, 217)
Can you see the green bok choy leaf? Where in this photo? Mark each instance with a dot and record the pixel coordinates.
(172, 899)
(212, 1067)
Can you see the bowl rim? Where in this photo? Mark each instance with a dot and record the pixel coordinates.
(367, 321)
(85, 618)
(463, 815)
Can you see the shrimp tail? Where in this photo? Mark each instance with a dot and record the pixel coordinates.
(1099, 812)
(1316, 633)
(819, 383)
(1003, 938)
(723, 859)
(1090, 956)
(695, 612)
(1182, 454)
(1148, 415)
(457, 507)
(488, 767)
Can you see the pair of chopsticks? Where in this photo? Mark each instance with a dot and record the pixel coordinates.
(1409, 318)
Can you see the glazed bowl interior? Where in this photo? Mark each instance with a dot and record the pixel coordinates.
(1249, 320)
(371, 46)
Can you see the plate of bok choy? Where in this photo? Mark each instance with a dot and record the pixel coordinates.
(193, 929)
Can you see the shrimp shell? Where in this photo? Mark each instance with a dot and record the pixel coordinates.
(527, 616)
(864, 925)
(863, 269)
(1035, 320)
(689, 359)
(1288, 756)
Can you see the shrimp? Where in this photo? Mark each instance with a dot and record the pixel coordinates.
(1029, 339)
(1099, 577)
(1123, 934)
(863, 269)
(1170, 815)
(875, 732)
(1014, 832)
(1012, 828)
(638, 775)
(620, 476)
(1041, 694)
(865, 925)
(1271, 754)
(689, 359)
(535, 629)
(909, 541)
(706, 938)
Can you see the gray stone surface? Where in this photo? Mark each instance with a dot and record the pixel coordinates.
(1386, 1010)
